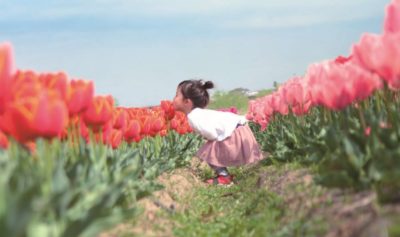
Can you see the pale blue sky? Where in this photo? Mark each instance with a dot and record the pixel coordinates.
(139, 50)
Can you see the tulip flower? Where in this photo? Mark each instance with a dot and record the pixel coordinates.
(120, 117)
(338, 85)
(168, 109)
(342, 60)
(392, 17)
(55, 81)
(3, 141)
(44, 115)
(6, 70)
(115, 138)
(174, 124)
(99, 112)
(31, 146)
(278, 104)
(380, 54)
(104, 136)
(79, 96)
(145, 126)
(132, 131)
(84, 130)
(231, 109)
(157, 124)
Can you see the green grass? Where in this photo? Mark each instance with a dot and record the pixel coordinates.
(244, 209)
(219, 211)
(227, 99)
(236, 98)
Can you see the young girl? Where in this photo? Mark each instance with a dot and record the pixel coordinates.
(230, 141)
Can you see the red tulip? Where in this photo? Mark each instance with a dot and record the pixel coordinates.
(44, 115)
(99, 112)
(55, 81)
(104, 136)
(163, 132)
(392, 17)
(31, 146)
(3, 141)
(6, 70)
(174, 124)
(168, 109)
(79, 96)
(116, 138)
(6, 122)
(120, 117)
(157, 124)
(132, 131)
(84, 130)
(145, 126)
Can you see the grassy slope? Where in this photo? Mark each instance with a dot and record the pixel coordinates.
(221, 99)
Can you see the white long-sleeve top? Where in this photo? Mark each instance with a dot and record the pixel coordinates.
(214, 125)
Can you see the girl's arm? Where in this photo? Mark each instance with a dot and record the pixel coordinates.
(208, 132)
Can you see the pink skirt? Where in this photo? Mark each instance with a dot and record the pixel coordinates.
(238, 149)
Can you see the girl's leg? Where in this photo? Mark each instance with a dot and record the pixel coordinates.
(223, 171)
(223, 177)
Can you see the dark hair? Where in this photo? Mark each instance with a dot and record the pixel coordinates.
(196, 91)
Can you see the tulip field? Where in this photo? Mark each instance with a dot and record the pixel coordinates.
(73, 163)
(342, 115)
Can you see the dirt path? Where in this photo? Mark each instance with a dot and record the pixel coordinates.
(154, 221)
(345, 213)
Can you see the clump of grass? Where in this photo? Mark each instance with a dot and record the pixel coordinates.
(236, 98)
(244, 209)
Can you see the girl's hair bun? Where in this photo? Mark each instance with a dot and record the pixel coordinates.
(208, 85)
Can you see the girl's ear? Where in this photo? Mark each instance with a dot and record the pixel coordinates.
(188, 102)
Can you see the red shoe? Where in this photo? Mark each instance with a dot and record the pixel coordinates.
(221, 180)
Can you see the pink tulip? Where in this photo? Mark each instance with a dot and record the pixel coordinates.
(392, 17)
(279, 105)
(367, 131)
(302, 109)
(267, 106)
(338, 85)
(293, 92)
(380, 54)
(342, 60)
(231, 109)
